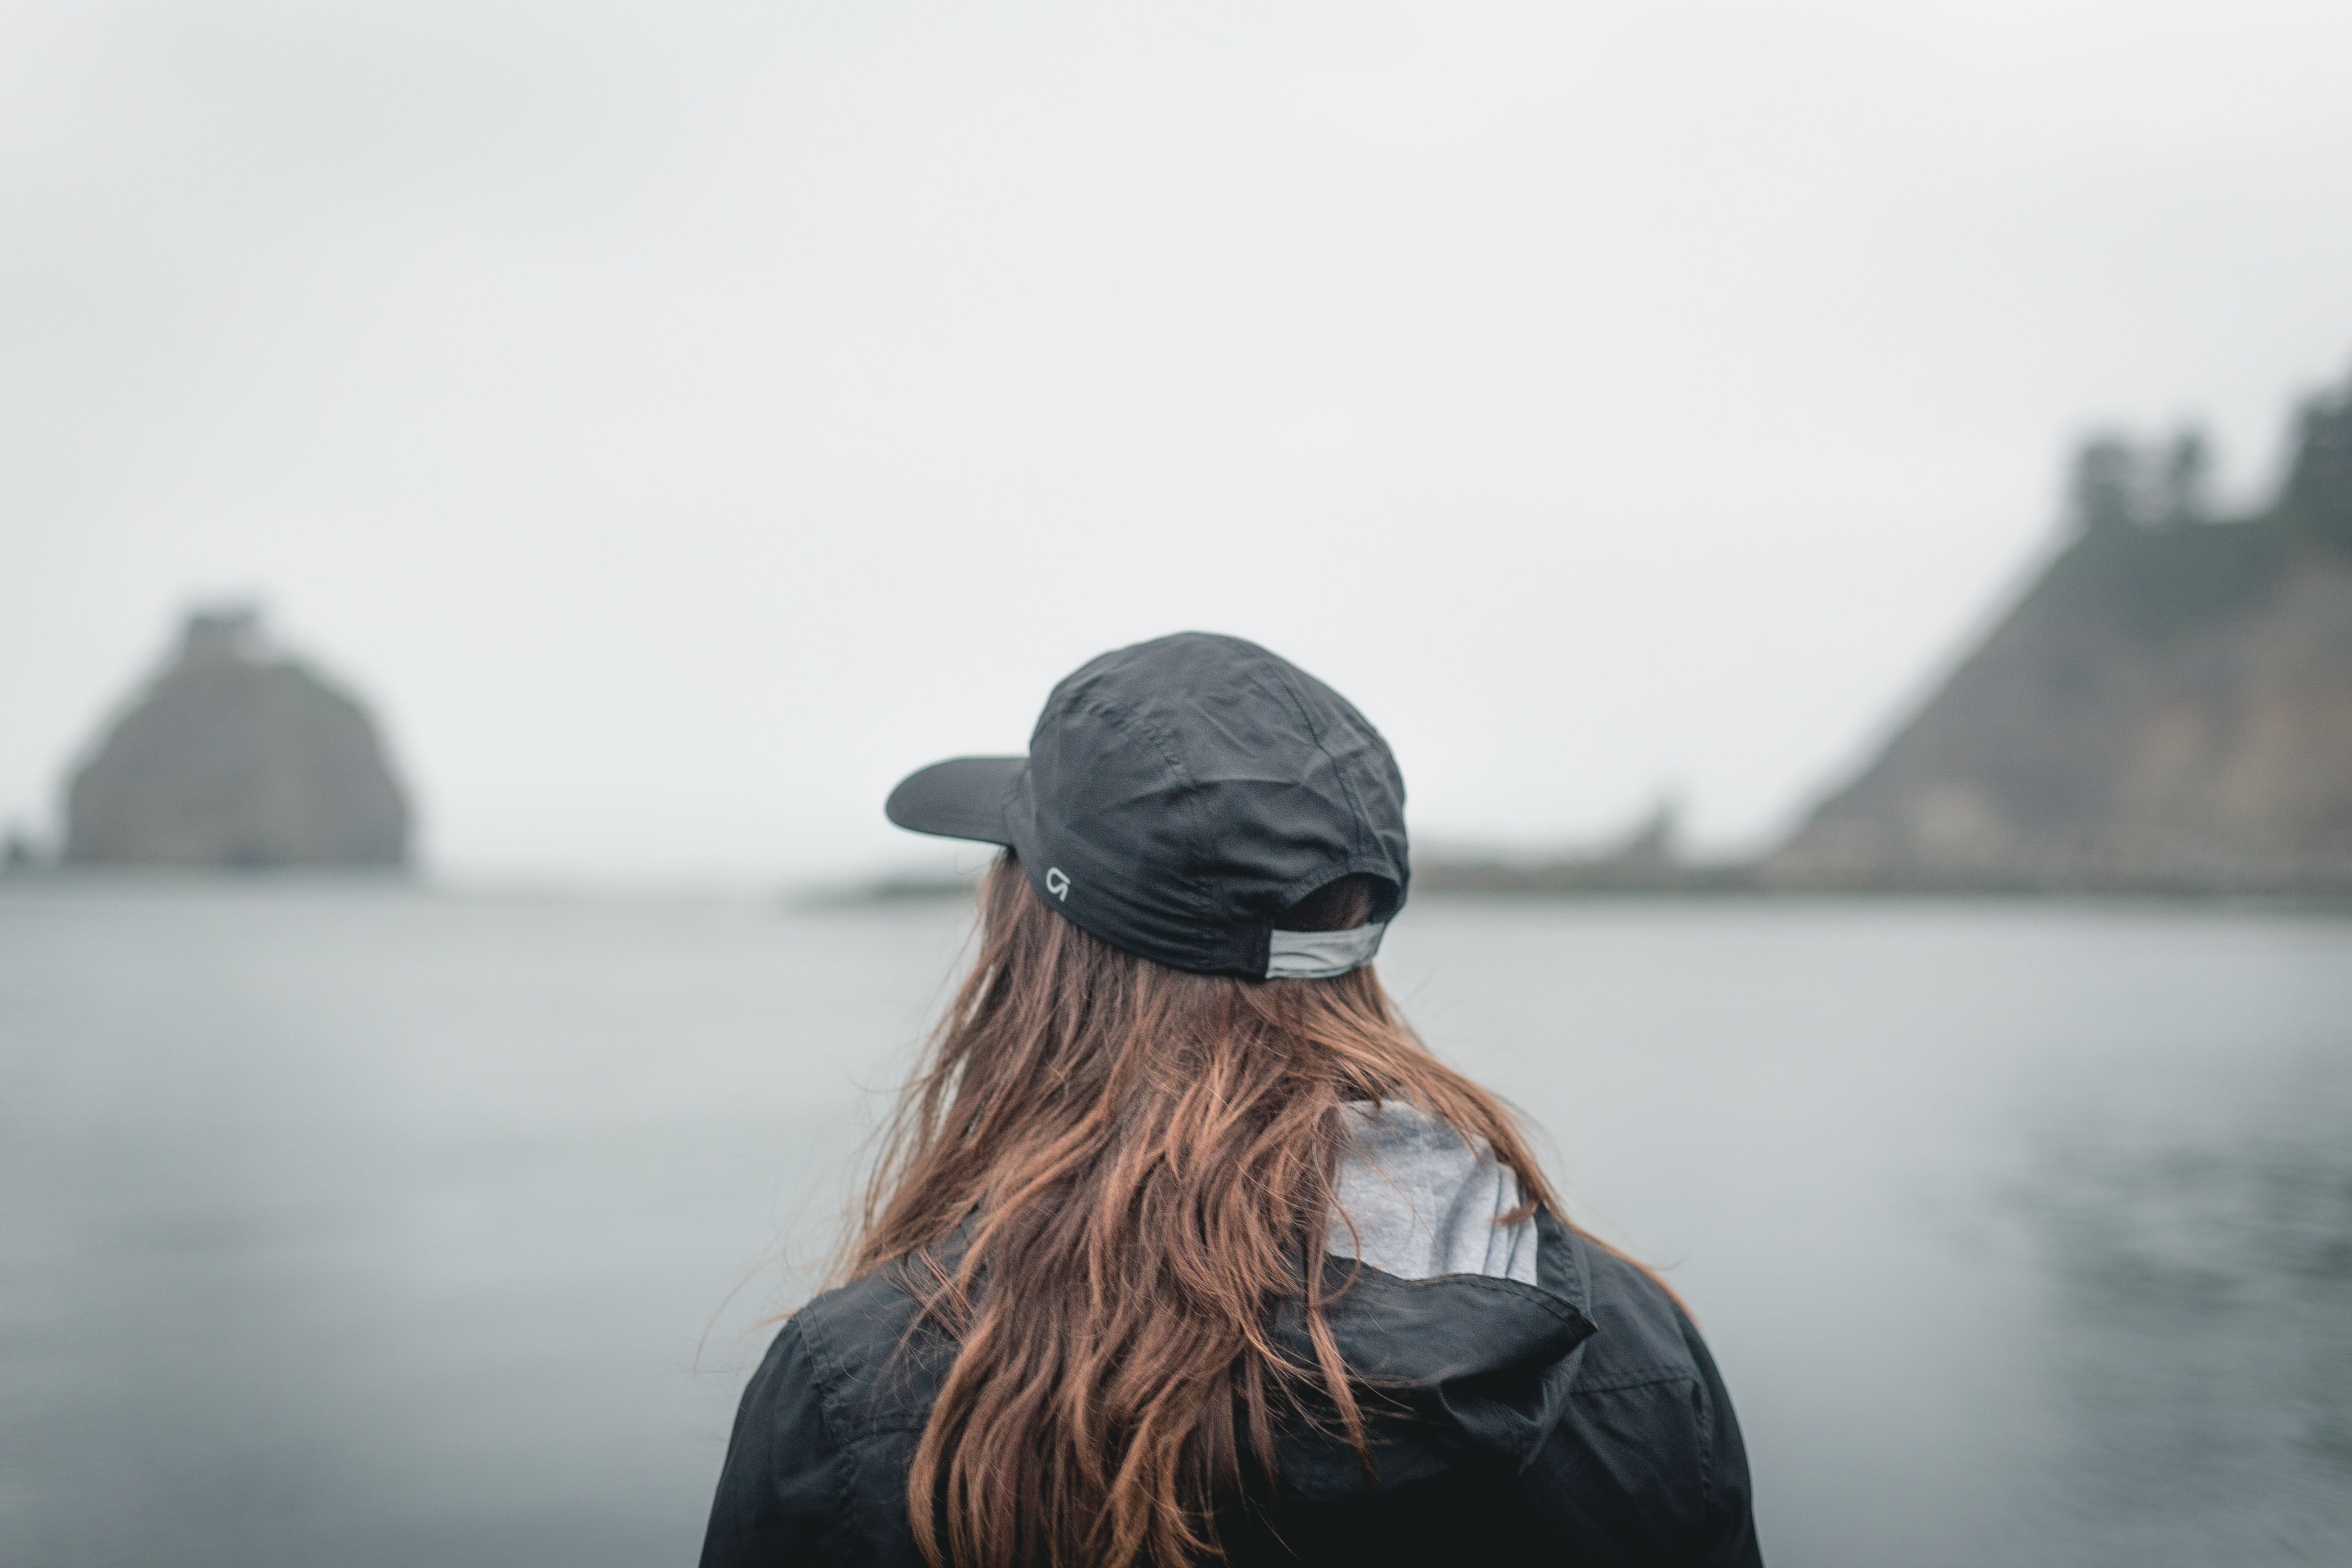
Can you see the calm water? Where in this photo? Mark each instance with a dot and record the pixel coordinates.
(364, 1225)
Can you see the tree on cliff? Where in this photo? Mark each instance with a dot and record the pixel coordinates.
(2318, 500)
(238, 757)
(2117, 484)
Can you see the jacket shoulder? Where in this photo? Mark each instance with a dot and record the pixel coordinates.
(817, 1470)
(880, 1365)
(1648, 1453)
(779, 1491)
(1640, 1332)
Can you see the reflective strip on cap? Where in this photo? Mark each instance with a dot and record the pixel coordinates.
(1319, 954)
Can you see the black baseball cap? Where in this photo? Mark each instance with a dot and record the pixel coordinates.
(1178, 796)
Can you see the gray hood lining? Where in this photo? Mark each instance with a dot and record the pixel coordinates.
(1417, 1200)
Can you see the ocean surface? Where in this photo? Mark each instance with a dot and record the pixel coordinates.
(369, 1224)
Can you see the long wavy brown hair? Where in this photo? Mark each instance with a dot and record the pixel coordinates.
(1145, 1156)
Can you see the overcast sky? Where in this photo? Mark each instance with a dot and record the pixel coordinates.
(680, 420)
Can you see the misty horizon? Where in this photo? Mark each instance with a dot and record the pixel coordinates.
(678, 428)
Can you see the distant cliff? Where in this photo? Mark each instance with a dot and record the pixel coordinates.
(2169, 708)
(235, 758)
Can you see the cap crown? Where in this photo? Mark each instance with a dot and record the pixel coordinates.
(1181, 793)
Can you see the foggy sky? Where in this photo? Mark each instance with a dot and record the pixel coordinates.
(681, 421)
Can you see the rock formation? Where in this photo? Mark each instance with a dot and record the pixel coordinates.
(236, 758)
(2169, 708)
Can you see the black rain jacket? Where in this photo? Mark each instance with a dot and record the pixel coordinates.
(1575, 1421)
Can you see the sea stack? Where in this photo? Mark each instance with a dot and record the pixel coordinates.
(238, 757)
(2169, 708)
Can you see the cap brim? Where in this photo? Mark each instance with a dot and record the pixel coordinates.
(961, 798)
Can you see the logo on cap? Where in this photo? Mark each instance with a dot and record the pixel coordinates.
(1057, 882)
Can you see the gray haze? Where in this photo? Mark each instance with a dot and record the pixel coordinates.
(680, 421)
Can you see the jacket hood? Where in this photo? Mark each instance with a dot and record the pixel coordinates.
(1457, 1340)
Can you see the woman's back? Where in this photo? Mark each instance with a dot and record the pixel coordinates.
(1575, 1418)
